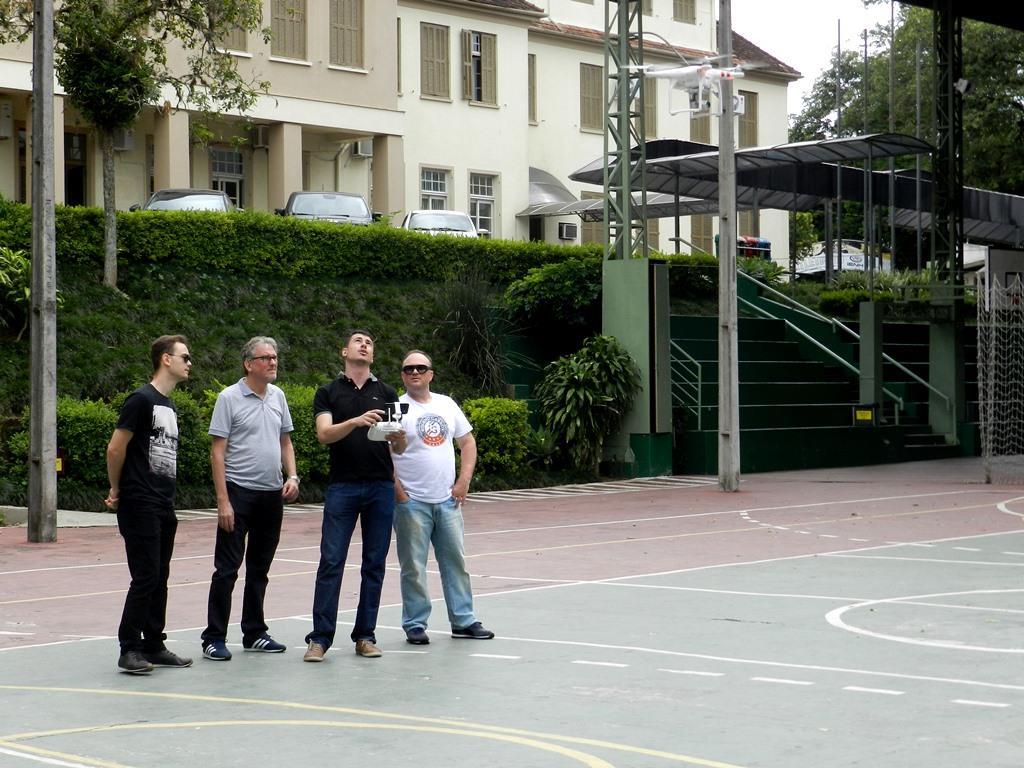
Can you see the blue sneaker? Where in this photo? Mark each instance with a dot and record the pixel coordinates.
(264, 644)
(216, 650)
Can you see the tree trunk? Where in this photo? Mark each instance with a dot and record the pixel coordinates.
(109, 211)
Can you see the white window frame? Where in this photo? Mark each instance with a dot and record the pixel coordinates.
(434, 189)
(227, 173)
(483, 202)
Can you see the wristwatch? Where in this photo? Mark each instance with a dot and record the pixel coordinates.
(295, 478)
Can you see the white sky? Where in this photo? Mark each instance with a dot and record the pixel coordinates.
(802, 33)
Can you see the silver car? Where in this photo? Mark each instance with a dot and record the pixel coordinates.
(187, 200)
(340, 207)
(454, 223)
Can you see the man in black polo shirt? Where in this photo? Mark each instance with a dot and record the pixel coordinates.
(361, 485)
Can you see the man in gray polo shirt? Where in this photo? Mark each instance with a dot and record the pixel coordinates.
(251, 441)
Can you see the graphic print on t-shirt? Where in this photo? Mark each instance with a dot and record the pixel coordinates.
(163, 442)
(432, 429)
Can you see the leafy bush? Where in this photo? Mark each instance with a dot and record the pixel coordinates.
(583, 398)
(846, 302)
(312, 460)
(693, 277)
(15, 289)
(83, 431)
(501, 431)
(556, 295)
(768, 272)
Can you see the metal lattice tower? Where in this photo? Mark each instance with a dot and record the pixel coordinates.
(624, 134)
(949, 161)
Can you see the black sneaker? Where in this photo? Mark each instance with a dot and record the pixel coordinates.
(134, 663)
(417, 636)
(474, 631)
(264, 644)
(216, 650)
(165, 658)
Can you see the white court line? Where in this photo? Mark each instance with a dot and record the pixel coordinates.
(1001, 506)
(974, 703)
(882, 691)
(41, 759)
(835, 618)
(495, 656)
(967, 549)
(1021, 554)
(926, 560)
(781, 681)
(696, 672)
(600, 664)
(19, 634)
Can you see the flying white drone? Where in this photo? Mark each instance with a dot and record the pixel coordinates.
(698, 80)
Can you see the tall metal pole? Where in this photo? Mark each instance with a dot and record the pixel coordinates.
(892, 129)
(839, 164)
(917, 158)
(728, 363)
(42, 478)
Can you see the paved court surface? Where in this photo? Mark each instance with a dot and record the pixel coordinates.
(869, 616)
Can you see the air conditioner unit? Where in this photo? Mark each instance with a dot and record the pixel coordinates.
(124, 139)
(261, 137)
(363, 148)
(568, 230)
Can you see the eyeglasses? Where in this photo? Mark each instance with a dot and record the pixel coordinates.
(265, 358)
(411, 369)
(187, 359)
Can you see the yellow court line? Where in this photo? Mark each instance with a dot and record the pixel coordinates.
(430, 721)
(591, 761)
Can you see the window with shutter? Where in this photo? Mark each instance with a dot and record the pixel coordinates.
(346, 33)
(479, 67)
(434, 73)
(685, 11)
(288, 25)
(531, 78)
(235, 39)
(591, 101)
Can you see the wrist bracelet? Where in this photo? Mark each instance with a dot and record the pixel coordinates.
(294, 477)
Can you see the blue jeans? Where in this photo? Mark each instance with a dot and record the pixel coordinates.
(419, 524)
(373, 503)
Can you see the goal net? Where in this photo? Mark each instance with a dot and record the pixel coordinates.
(1001, 377)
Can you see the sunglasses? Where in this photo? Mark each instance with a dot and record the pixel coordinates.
(411, 369)
(186, 358)
(265, 358)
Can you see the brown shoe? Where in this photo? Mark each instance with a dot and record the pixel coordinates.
(367, 649)
(315, 652)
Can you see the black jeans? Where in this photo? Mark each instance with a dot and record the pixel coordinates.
(148, 534)
(257, 515)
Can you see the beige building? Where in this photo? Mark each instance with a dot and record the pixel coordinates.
(412, 103)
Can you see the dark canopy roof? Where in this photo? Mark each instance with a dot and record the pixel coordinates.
(1004, 13)
(800, 176)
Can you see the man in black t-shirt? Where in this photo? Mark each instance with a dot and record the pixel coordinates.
(142, 466)
(361, 486)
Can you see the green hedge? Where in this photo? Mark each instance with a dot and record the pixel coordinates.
(84, 428)
(312, 460)
(274, 246)
(501, 432)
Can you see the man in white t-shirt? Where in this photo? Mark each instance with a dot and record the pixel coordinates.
(429, 501)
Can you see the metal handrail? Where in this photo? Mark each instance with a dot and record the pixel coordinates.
(841, 360)
(803, 309)
(688, 386)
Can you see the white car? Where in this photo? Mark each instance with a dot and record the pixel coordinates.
(454, 223)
